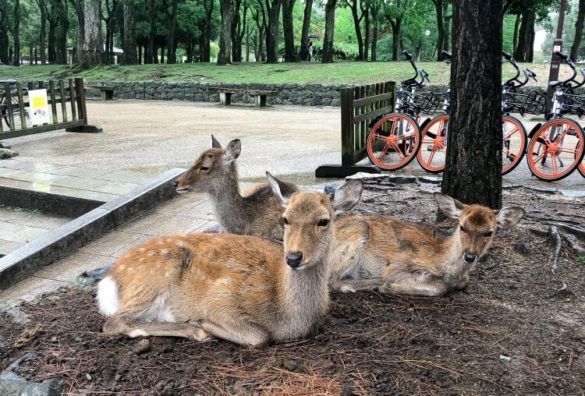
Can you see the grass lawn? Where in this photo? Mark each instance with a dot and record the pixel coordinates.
(282, 73)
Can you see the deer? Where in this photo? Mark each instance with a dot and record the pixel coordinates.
(239, 288)
(403, 257)
(215, 172)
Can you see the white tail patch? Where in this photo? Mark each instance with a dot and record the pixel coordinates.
(108, 296)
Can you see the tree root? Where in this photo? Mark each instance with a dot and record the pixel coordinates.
(556, 239)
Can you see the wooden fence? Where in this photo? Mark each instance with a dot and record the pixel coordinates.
(359, 106)
(66, 100)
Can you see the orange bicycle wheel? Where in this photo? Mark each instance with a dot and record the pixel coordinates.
(433, 147)
(393, 141)
(555, 150)
(513, 143)
(582, 169)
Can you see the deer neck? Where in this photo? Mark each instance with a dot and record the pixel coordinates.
(453, 266)
(230, 208)
(304, 298)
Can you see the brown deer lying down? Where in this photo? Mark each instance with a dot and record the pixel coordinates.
(215, 173)
(403, 257)
(238, 288)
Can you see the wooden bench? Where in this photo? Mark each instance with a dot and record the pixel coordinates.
(260, 95)
(107, 92)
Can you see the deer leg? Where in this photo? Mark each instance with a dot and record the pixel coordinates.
(241, 332)
(119, 325)
(353, 285)
(408, 286)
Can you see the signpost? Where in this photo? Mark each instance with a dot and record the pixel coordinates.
(555, 62)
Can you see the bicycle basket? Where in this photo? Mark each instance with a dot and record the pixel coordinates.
(425, 103)
(574, 104)
(533, 102)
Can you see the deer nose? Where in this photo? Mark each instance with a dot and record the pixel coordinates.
(176, 183)
(293, 259)
(469, 257)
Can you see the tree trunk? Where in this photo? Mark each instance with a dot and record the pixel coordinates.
(473, 172)
(578, 31)
(516, 28)
(152, 56)
(273, 31)
(205, 42)
(327, 55)
(396, 27)
(524, 51)
(43, 31)
(78, 4)
(171, 37)
(234, 30)
(129, 33)
(4, 40)
(61, 33)
(304, 51)
(16, 34)
(374, 50)
(366, 14)
(357, 19)
(290, 54)
(90, 54)
(225, 38)
(440, 28)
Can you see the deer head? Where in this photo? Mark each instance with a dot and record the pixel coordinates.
(212, 167)
(307, 221)
(477, 224)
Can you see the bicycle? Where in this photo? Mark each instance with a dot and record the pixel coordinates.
(432, 153)
(394, 139)
(560, 140)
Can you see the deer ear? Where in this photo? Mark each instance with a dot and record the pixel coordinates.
(509, 217)
(276, 189)
(233, 150)
(347, 196)
(450, 207)
(215, 143)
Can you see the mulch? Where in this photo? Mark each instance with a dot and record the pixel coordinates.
(518, 329)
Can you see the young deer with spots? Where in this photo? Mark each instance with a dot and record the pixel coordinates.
(215, 173)
(234, 287)
(403, 257)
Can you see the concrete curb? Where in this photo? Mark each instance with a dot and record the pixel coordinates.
(58, 243)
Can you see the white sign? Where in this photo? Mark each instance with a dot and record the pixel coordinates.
(38, 108)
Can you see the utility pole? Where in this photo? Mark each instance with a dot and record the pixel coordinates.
(555, 62)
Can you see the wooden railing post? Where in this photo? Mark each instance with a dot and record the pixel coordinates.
(347, 135)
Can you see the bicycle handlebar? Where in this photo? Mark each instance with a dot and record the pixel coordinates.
(419, 72)
(514, 82)
(567, 83)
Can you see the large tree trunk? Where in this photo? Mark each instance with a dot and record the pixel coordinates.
(225, 38)
(238, 29)
(473, 172)
(205, 40)
(171, 37)
(61, 33)
(288, 28)
(304, 51)
(327, 55)
(90, 53)
(16, 34)
(578, 31)
(129, 33)
(78, 4)
(273, 31)
(366, 14)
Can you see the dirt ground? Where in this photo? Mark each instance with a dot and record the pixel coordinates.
(518, 329)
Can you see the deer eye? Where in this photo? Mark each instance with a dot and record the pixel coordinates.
(463, 230)
(284, 221)
(488, 234)
(323, 223)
